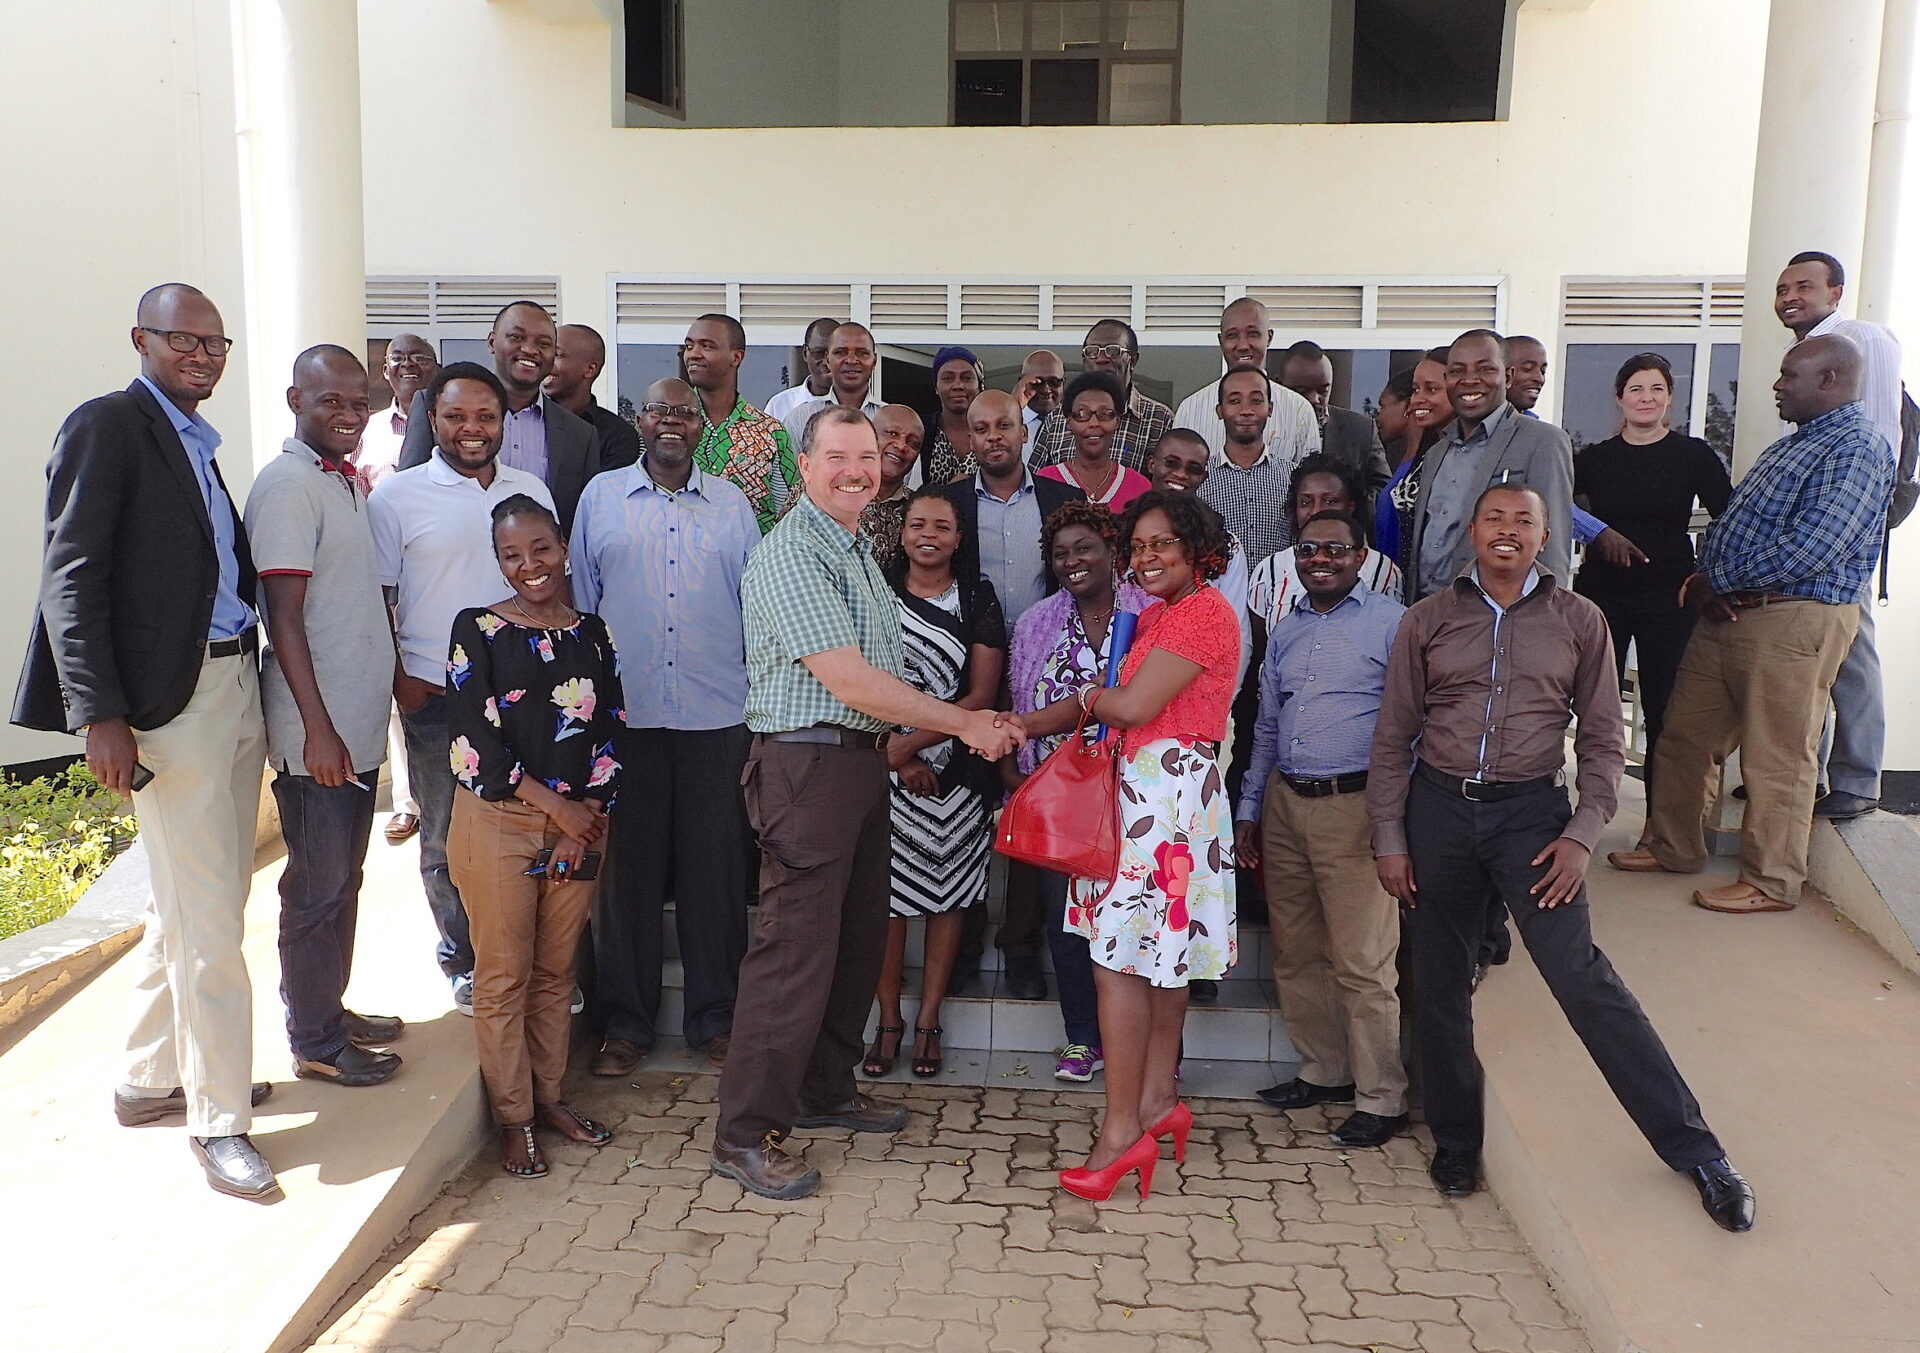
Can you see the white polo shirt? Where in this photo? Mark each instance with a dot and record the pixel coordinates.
(788, 400)
(797, 418)
(433, 540)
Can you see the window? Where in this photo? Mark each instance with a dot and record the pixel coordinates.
(1061, 63)
(656, 56)
(1416, 61)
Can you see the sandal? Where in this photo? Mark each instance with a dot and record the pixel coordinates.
(520, 1155)
(879, 1064)
(570, 1123)
(928, 1067)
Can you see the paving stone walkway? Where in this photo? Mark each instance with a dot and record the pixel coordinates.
(953, 1236)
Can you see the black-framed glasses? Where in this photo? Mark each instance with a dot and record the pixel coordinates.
(659, 410)
(1333, 549)
(182, 341)
(1111, 351)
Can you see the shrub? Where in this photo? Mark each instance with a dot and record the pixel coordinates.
(57, 835)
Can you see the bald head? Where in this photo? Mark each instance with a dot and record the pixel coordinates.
(329, 399)
(171, 317)
(670, 429)
(901, 435)
(159, 303)
(1245, 333)
(1817, 376)
(579, 354)
(997, 434)
(1042, 377)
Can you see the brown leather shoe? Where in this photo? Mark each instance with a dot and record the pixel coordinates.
(717, 1048)
(1636, 861)
(1738, 898)
(618, 1057)
(861, 1114)
(766, 1170)
(401, 827)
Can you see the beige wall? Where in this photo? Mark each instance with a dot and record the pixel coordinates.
(121, 174)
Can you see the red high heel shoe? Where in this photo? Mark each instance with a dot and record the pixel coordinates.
(1098, 1185)
(1176, 1123)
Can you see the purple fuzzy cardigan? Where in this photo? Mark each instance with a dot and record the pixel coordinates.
(1035, 637)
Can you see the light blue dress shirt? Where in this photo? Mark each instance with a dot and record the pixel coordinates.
(663, 570)
(231, 615)
(1009, 540)
(523, 443)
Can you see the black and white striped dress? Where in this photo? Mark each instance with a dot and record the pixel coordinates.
(941, 843)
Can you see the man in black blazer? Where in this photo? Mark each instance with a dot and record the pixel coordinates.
(1351, 436)
(541, 438)
(146, 640)
(1000, 507)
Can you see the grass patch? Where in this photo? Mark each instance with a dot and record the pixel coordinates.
(57, 835)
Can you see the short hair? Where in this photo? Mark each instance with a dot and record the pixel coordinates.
(524, 505)
(851, 324)
(599, 343)
(464, 371)
(827, 417)
(1634, 365)
(1836, 275)
(1104, 381)
(1306, 350)
(1199, 527)
(1322, 463)
(501, 313)
(1498, 342)
(1133, 339)
(1096, 517)
(1400, 384)
(736, 332)
(153, 297)
(1440, 354)
(824, 326)
(1184, 435)
(321, 354)
(1512, 484)
(1355, 531)
(1256, 369)
(1506, 344)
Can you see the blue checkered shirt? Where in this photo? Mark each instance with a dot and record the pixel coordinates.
(1806, 520)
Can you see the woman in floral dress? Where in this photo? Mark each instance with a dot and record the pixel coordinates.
(533, 698)
(1166, 918)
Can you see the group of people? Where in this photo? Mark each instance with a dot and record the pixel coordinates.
(626, 658)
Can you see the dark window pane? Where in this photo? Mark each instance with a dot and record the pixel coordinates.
(986, 93)
(1415, 61)
(653, 51)
(1065, 94)
(1723, 391)
(1589, 411)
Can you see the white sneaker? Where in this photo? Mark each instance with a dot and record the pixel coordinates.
(579, 1000)
(463, 994)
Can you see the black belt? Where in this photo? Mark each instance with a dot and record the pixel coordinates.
(1320, 789)
(832, 734)
(1485, 791)
(247, 641)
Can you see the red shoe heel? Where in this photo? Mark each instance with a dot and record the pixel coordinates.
(1098, 1185)
(1176, 1123)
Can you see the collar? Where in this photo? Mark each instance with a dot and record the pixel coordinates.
(1828, 325)
(442, 473)
(980, 489)
(1538, 580)
(1358, 596)
(294, 446)
(1484, 433)
(1265, 456)
(737, 412)
(830, 532)
(1846, 413)
(537, 409)
(183, 423)
(642, 478)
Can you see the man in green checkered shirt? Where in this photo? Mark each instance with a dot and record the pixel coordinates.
(824, 689)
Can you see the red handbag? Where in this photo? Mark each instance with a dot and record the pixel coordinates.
(1066, 817)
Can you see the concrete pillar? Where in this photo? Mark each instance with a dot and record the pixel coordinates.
(304, 237)
(1892, 116)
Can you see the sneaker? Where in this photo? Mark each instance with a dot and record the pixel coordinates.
(579, 1000)
(463, 994)
(1077, 1063)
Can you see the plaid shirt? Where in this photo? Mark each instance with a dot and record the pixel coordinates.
(1806, 519)
(1142, 423)
(1252, 500)
(753, 451)
(812, 586)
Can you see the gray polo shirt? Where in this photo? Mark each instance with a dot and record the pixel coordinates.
(305, 519)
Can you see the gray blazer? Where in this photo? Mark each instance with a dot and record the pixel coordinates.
(1352, 437)
(1524, 450)
(573, 451)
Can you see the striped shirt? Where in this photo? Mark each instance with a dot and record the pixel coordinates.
(1879, 373)
(1274, 585)
(1142, 424)
(1292, 426)
(812, 586)
(1253, 501)
(1805, 521)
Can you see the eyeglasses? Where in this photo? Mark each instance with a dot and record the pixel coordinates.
(1084, 415)
(1333, 549)
(413, 359)
(1158, 545)
(1111, 351)
(182, 341)
(659, 410)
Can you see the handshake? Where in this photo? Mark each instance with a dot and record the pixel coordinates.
(992, 733)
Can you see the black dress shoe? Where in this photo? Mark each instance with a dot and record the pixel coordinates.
(1456, 1173)
(1840, 806)
(966, 972)
(1025, 980)
(233, 1166)
(1203, 992)
(374, 1031)
(136, 1110)
(354, 1065)
(1726, 1196)
(1299, 1094)
(860, 1114)
(1370, 1129)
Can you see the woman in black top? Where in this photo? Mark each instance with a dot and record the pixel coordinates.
(533, 698)
(1643, 482)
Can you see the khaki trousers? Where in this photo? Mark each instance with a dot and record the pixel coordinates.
(526, 935)
(1761, 684)
(193, 1002)
(1335, 934)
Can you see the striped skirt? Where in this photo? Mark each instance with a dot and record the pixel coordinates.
(940, 850)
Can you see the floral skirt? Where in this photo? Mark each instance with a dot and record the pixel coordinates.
(1168, 916)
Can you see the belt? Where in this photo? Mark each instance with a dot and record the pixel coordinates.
(1762, 598)
(832, 734)
(247, 641)
(1320, 789)
(1485, 791)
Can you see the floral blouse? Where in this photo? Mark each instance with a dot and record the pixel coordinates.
(526, 701)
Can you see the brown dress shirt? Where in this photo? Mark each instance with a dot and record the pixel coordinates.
(1487, 697)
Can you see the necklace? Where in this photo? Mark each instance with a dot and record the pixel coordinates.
(528, 617)
(1093, 493)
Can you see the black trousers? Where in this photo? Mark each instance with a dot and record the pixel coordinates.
(1459, 851)
(326, 831)
(824, 817)
(678, 831)
(1659, 629)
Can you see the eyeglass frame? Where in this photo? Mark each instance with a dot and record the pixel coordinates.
(660, 409)
(1336, 550)
(205, 341)
(1136, 548)
(1091, 351)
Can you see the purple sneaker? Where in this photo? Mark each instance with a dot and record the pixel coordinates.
(1077, 1063)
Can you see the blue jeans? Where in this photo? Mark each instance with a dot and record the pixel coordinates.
(431, 774)
(326, 831)
(1072, 964)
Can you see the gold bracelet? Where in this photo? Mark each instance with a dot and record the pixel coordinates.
(1088, 694)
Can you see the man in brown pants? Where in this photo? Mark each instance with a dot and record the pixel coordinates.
(824, 691)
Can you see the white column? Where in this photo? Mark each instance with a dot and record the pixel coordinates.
(1892, 116)
(298, 90)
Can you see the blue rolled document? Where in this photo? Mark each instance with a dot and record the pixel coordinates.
(1119, 640)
